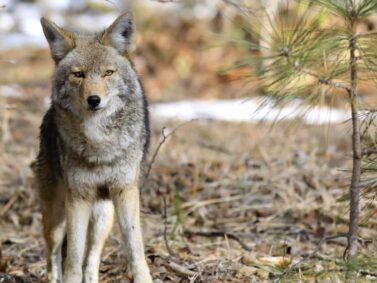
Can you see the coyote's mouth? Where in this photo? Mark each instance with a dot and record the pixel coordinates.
(95, 109)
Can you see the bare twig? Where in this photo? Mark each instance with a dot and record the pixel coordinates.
(285, 52)
(239, 6)
(9, 204)
(365, 34)
(369, 151)
(322, 80)
(331, 83)
(163, 140)
(368, 273)
(309, 256)
(166, 240)
(216, 233)
(180, 269)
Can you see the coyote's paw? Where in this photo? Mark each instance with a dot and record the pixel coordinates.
(53, 278)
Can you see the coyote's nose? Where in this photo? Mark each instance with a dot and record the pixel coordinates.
(94, 100)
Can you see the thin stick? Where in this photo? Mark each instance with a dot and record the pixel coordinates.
(365, 34)
(216, 233)
(166, 240)
(181, 270)
(322, 80)
(309, 256)
(163, 140)
(9, 204)
(368, 273)
(369, 151)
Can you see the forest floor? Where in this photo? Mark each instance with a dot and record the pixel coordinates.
(244, 202)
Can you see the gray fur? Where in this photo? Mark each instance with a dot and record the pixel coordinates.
(88, 156)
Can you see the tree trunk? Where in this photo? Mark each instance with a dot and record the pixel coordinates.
(356, 148)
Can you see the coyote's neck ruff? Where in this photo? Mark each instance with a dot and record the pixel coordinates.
(93, 141)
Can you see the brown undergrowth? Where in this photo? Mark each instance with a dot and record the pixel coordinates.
(228, 188)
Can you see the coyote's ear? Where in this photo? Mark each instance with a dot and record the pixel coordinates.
(60, 40)
(120, 34)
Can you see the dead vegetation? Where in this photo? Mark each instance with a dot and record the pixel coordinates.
(228, 188)
(224, 202)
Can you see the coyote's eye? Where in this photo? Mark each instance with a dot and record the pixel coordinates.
(79, 74)
(109, 73)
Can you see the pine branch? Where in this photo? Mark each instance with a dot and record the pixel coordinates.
(322, 80)
(365, 34)
(369, 151)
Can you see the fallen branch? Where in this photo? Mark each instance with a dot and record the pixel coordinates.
(216, 233)
(368, 273)
(180, 269)
(9, 204)
(369, 151)
(309, 256)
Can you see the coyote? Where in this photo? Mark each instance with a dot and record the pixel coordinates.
(93, 142)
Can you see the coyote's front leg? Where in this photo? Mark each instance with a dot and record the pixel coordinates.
(77, 213)
(127, 208)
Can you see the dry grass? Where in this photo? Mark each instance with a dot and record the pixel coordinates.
(276, 191)
(224, 184)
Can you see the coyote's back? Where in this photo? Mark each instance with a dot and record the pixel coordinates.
(93, 141)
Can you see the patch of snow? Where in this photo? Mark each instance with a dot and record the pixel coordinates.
(63, 5)
(251, 110)
(47, 102)
(14, 40)
(92, 22)
(20, 21)
(204, 9)
(14, 91)
(28, 18)
(7, 5)
(7, 22)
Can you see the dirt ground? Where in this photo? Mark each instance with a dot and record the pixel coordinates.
(244, 202)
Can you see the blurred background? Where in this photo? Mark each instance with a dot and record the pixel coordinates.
(220, 185)
(173, 42)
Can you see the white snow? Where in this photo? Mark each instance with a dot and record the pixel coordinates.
(30, 33)
(20, 40)
(7, 22)
(20, 22)
(251, 110)
(28, 18)
(13, 90)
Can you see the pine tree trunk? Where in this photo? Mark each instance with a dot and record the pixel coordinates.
(357, 155)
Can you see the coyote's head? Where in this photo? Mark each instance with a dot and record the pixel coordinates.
(93, 72)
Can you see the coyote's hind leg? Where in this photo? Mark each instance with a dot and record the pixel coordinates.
(54, 231)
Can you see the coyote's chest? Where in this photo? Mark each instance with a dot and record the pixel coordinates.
(99, 153)
(102, 142)
(98, 140)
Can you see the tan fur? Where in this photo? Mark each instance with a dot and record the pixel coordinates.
(102, 222)
(66, 37)
(91, 156)
(92, 86)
